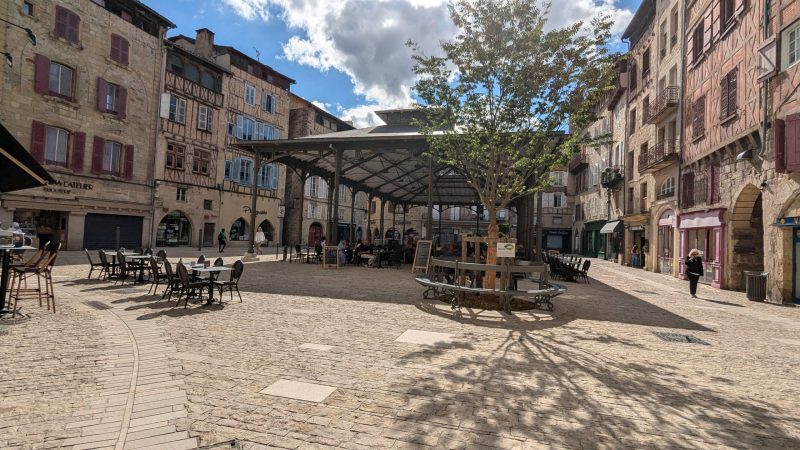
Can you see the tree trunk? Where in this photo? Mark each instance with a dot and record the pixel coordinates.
(539, 226)
(491, 252)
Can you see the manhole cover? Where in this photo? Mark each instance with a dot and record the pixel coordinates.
(676, 337)
(97, 305)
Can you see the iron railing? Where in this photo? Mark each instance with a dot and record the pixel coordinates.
(665, 150)
(666, 99)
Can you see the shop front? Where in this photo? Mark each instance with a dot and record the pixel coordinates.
(666, 238)
(595, 242)
(613, 233)
(557, 239)
(174, 230)
(704, 231)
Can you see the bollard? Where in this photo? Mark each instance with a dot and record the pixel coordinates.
(200, 241)
(284, 252)
(116, 243)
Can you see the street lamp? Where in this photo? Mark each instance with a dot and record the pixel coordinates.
(31, 36)
(9, 59)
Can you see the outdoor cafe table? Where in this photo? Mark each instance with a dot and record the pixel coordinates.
(210, 270)
(5, 255)
(140, 266)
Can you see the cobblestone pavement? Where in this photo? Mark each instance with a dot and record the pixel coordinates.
(117, 368)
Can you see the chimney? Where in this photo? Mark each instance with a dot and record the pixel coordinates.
(204, 43)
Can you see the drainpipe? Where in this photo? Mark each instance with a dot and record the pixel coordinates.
(154, 185)
(681, 106)
(764, 84)
(625, 150)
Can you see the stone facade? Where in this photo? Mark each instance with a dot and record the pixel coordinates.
(85, 99)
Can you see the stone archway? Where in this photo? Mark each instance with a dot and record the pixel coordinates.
(746, 237)
(240, 230)
(314, 234)
(174, 230)
(268, 230)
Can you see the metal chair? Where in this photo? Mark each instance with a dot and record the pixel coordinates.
(173, 282)
(188, 288)
(233, 283)
(93, 265)
(156, 276)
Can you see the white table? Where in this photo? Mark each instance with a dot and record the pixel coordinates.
(210, 270)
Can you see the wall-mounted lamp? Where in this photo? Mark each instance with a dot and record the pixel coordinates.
(9, 59)
(31, 36)
(746, 155)
(764, 185)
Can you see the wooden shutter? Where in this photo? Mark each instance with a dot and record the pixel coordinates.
(780, 146)
(78, 147)
(74, 27)
(687, 190)
(127, 170)
(98, 146)
(699, 117)
(732, 81)
(124, 51)
(41, 74)
(740, 6)
(723, 98)
(62, 22)
(102, 90)
(122, 107)
(38, 136)
(715, 181)
(707, 38)
(792, 139)
(716, 20)
(115, 47)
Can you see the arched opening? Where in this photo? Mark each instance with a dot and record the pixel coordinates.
(359, 234)
(747, 236)
(666, 239)
(268, 230)
(392, 234)
(174, 230)
(239, 231)
(376, 234)
(314, 234)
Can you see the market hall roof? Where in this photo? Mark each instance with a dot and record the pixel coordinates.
(384, 160)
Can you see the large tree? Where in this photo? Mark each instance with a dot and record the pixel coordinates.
(500, 97)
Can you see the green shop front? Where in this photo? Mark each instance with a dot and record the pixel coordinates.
(595, 242)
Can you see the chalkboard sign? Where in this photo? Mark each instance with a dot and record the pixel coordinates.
(422, 256)
(330, 257)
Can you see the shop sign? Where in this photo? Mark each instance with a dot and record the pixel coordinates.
(61, 186)
(261, 213)
(506, 249)
(788, 221)
(281, 211)
(636, 228)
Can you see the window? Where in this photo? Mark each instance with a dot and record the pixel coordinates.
(559, 178)
(726, 12)
(646, 64)
(312, 186)
(112, 151)
(119, 49)
(633, 80)
(56, 146)
(249, 94)
(558, 200)
(192, 73)
(67, 25)
(667, 188)
(61, 80)
(790, 46)
(228, 169)
(177, 109)
(267, 102)
(201, 162)
(263, 176)
(674, 27)
(687, 190)
(713, 180)
(455, 213)
(180, 194)
(245, 128)
(699, 118)
(632, 122)
(697, 41)
(246, 171)
(208, 205)
(176, 155)
(175, 64)
(727, 96)
(204, 116)
(645, 110)
(111, 102)
(27, 8)
(208, 81)
(373, 206)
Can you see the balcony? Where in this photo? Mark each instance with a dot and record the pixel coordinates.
(578, 162)
(660, 156)
(665, 103)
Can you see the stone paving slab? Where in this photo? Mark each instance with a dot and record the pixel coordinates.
(589, 374)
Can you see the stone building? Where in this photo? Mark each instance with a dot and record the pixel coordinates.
(85, 98)
(256, 107)
(191, 146)
(654, 128)
(721, 203)
(308, 201)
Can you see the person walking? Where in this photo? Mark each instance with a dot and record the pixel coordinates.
(222, 240)
(635, 256)
(260, 238)
(694, 270)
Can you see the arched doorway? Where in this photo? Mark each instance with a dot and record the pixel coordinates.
(268, 230)
(174, 230)
(239, 231)
(746, 237)
(376, 234)
(359, 234)
(392, 234)
(314, 234)
(666, 239)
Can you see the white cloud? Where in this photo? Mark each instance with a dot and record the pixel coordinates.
(365, 39)
(321, 105)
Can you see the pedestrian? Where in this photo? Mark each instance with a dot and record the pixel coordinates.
(222, 240)
(694, 270)
(635, 256)
(260, 238)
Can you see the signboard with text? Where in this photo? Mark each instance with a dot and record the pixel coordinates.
(506, 249)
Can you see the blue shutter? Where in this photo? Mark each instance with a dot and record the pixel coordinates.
(273, 177)
(235, 168)
(228, 169)
(262, 176)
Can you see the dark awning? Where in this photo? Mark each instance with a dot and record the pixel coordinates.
(18, 169)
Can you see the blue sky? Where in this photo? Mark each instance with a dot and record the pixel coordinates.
(348, 56)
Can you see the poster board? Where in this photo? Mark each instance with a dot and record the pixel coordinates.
(422, 256)
(506, 250)
(330, 257)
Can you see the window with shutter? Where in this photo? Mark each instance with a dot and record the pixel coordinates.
(780, 146)
(732, 79)
(792, 142)
(119, 49)
(723, 98)
(56, 146)
(98, 146)
(698, 36)
(38, 132)
(127, 167)
(67, 25)
(699, 118)
(687, 190)
(78, 148)
(714, 183)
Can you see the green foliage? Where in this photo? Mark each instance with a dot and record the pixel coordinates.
(500, 96)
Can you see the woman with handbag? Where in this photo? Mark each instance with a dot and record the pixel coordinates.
(694, 270)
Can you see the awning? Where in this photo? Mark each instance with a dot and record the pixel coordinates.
(609, 227)
(18, 169)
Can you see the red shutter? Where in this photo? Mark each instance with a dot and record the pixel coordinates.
(41, 74)
(792, 137)
(62, 22)
(732, 80)
(128, 169)
(123, 50)
(78, 146)
(102, 89)
(74, 28)
(97, 154)
(687, 187)
(115, 47)
(723, 98)
(122, 108)
(780, 146)
(38, 133)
